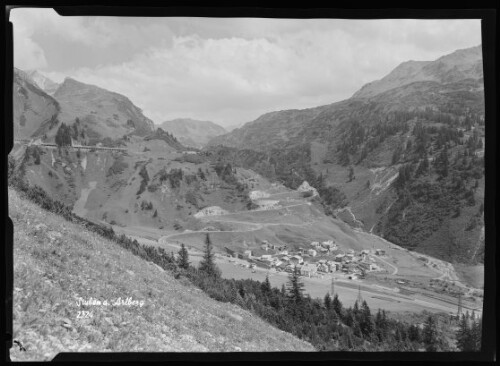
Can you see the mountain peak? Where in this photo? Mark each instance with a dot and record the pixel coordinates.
(458, 65)
(108, 113)
(42, 81)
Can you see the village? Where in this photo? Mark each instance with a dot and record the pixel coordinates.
(319, 259)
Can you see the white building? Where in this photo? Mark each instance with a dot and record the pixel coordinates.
(312, 252)
(308, 269)
(305, 187)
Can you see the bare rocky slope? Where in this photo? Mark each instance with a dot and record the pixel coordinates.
(33, 109)
(42, 81)
(62, 262)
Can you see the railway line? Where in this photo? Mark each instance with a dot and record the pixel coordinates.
(74, 147)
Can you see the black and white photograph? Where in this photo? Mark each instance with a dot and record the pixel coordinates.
(203, 184)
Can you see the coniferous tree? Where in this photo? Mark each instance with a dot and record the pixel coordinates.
(36, 155)
(295, 287)
(207, 264)
(430, 334)
(351, 174)
(414, 333)
(464, 335)
(441, 163)
(266, 286)
(241, 290)
(283, 290)
(366, 321)
(327, 301)
(423, 166)
(476, 331)
(337, 305)
(183, 260)
(355, 309)
(63, 136)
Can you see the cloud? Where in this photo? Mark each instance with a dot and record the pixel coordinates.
(27, 53)
(233, 70)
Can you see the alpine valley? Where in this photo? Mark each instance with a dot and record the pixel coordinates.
(394, 174)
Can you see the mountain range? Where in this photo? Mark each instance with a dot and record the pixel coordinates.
(192, 132)
(401, 158)
(459, 65)
(359, 146)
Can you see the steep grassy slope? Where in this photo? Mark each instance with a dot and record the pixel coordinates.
(191, 132)
(57, 262)
(33, 109)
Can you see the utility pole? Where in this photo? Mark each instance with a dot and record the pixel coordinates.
(360, 298)
(459, 305)
(332, 290)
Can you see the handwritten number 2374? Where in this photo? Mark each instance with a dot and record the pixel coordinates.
(83, 315)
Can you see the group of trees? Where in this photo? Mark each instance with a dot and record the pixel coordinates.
(76, 132)
(146, 205)
(326, 323)
(63, 135)
(360, 137)
(143, 173)
(434, 184)
(469, 333)
(175, 177)
(34, 152)
(225, 172)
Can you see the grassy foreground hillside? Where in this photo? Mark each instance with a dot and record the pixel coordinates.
(56, 262)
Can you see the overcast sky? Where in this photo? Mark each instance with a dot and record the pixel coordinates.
(228, 71)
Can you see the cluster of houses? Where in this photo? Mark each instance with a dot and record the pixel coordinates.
(350, 263)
